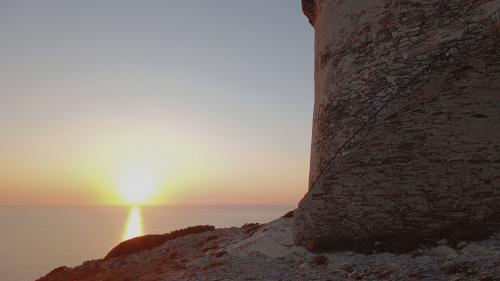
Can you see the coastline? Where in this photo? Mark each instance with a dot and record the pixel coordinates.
(267, 252)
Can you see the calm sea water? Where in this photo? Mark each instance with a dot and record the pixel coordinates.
(35, 240)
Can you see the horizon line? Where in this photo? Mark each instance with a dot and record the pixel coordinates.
(146, 205)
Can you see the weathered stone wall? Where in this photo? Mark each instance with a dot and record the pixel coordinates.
(434, 161)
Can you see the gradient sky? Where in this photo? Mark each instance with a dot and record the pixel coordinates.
(215, 98)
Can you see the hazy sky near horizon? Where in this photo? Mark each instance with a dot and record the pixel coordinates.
(213, 99)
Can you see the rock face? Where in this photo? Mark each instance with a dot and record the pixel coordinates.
(267, 252)
(406, 130)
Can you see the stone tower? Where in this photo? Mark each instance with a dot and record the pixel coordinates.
(406, 127)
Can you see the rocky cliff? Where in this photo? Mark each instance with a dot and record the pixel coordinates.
(267, 252)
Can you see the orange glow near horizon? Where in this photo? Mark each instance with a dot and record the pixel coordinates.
(131, 167)
(138, 170)
(134, 225)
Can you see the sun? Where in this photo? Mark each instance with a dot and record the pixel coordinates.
(137, 185)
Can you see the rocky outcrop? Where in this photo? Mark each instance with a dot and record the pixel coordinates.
(405, 132)
(267, 252)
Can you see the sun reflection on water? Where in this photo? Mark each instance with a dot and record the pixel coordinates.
(134, 226)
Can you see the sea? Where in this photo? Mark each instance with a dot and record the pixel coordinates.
(35, 240)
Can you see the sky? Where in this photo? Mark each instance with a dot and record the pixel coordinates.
(192, 102)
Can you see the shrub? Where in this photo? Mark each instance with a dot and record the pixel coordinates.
(288, 215)
(173, 255)
(138, 244)
(320, 260)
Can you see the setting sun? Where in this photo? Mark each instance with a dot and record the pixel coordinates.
(136, 186)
